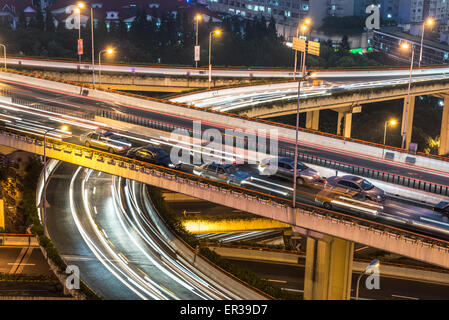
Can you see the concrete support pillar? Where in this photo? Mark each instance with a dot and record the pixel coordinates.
(410, 114)
(345, 119)
(313, 119)
(328, 269)
(444, 134)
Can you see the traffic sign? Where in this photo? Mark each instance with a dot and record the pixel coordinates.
(313, 47)
(299, 44)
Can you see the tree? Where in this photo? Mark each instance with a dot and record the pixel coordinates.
(49, 21)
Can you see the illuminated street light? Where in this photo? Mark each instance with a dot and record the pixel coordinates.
(4, 53)
(374, 264)
(406, 46)
(303, 27)
(108, 51)
(81, 5)
(306, 77)
(217, 33)
(392, 123)
(198, 18)
(64, 128)
(429, 22)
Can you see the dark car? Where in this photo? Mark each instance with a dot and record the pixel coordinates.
(443, 207)
(284, 168)
(228, 173)
(358, 184)
(152, 154)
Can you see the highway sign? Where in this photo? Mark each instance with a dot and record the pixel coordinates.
(313, 47)
(299, 44)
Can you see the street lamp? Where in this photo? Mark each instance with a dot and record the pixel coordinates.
(295, 170)
(217, 33)
(4, 53)
(392, 123)
(303, 28)
(82, 5)
(78, 10)
(406, 46)
(374, 264)
(198, 18)
(108, 51)
(429, 22)
(44, 192)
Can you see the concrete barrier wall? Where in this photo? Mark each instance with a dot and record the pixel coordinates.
(417, 274)
(18, 240)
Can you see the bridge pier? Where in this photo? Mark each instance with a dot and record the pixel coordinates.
(328, 268)
(444, 133)
(344, 122)
(313, 119)
(410, 115)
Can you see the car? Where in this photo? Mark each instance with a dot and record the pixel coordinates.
(153, 155)
(228, 173)
(442, 207)
(106, 141)
(348, 200)
(358, 184)
(283, 167)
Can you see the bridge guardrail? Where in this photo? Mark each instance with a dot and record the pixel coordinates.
(243, 193)
(83, 85)
(332, 164)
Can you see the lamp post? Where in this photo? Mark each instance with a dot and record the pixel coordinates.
(78, 10)
(198, 17)
(295, 170)
(406, 46)
(391, 122)
(428, 21)
(81, 5)
(303, 28)
(374, 264)
(108, 51)
(44, 191)
(4, 53)
(216, 32)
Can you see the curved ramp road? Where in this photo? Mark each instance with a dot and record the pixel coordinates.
(122, 246)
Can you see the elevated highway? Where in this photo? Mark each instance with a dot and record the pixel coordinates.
(411, 244)
(135, 114)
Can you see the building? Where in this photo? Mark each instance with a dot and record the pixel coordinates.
(10, 11)
(114, 11)
(389, 39)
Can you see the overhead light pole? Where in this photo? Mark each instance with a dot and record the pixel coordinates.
(82, 5)
(4, 53)
(108, 51)
(198, 18)
(374, 264)
(391, 122)
(429, 22)
(406, 46)
(303, 27)
(217, 33)
(295, 170)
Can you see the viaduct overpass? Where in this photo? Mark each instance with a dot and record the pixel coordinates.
(328, 227)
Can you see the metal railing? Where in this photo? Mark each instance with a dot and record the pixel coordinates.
(83, 85)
